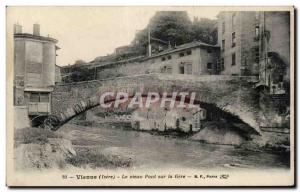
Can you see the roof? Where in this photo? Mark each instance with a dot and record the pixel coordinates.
(37, 37)
(134, 59)
(124, 46)
(184, 47)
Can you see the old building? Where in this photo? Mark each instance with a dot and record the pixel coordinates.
(195, 58)
(34, 70)
(238, 36)
(257, 43)
(112, 69)
(159, 119)
(246, 37)
(274, 50)
(274, 70)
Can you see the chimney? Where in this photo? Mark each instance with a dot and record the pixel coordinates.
(17, 28)
(36, 29)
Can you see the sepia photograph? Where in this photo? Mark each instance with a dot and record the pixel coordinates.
(150, 96)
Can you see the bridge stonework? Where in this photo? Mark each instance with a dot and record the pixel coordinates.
(231, 94)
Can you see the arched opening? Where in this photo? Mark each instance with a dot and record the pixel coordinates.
(214, 116)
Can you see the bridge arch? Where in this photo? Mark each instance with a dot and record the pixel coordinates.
(232, 96)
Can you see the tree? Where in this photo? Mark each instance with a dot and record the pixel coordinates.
(177, 28)
(204, 30)
(173, 26)
(80, 73)
(168, 26)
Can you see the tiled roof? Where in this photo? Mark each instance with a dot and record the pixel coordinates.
(183, 47)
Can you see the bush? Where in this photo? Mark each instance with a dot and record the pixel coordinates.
(34, 135)
(88, 157)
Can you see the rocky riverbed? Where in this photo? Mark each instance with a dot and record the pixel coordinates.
(37, 149)
(110, 145)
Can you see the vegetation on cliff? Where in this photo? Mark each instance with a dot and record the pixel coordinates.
(176, 28)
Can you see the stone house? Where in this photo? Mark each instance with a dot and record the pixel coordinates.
(34, 70)
(195, 58)
(184, 120)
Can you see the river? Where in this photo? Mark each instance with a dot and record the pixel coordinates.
(150, 150)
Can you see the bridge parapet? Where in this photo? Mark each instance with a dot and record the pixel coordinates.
(233, 94)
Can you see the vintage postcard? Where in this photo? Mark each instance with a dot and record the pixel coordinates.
(150, 96)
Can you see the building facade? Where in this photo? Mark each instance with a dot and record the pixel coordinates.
(258, 44)
(34, 70)
(274, 71)
(195, 58)
(238, 37)
(183, 120)
(246, 37)
(274, 50)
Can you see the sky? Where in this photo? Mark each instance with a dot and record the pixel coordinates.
(84, 33)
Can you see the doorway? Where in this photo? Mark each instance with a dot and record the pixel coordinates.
(181, 69)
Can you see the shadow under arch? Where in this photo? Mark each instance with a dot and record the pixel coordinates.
(53, 122)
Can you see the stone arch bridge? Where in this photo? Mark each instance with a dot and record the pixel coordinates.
(232, 94)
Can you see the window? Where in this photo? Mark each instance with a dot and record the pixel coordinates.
(233, 20)
(169, 57)
(208, 50)
(218, 65)
(223, 45)
(189, 52)
(39, 97)
(233, 62)
(209, 65)
(222, 64)
(44, 97)
(163, 69)
(181, 54)
(34, 97)
(280, 78)
(256, 32)
(223, 27)
(233, 39)
(181, 69)
(163, 59)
